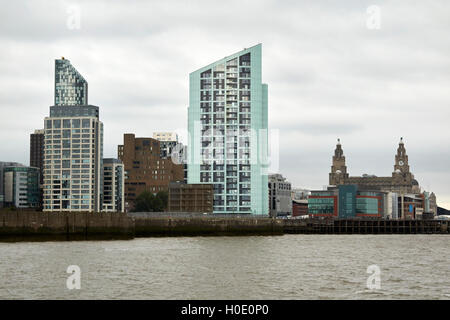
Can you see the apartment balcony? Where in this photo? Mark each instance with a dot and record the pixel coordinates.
(205, 167)
(205, 75)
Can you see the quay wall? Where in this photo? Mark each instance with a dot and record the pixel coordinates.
(206, 226)
(30, 225)
(41, 226)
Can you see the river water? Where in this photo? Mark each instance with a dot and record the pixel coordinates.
(278, 267)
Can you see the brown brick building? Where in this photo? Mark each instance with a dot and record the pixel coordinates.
(190, 197)
(299, 207)
(145, 170)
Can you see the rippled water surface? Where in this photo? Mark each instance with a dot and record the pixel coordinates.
(282, 267)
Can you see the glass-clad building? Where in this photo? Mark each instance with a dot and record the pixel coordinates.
(369, 204)
(227, 124)
(353, 201)
(73, 142)
(346, 201)
(21, 187)
(323, 203)
(70, 86)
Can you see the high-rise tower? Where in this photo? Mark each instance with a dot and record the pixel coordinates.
(227, 123)
(73, 146)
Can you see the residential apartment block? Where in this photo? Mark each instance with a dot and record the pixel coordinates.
(73, 146)
(113, 186)
(145, 170)
(227, 123)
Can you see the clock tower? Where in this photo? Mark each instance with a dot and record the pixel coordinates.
(401, 159)
(401, 175)
(338, 173)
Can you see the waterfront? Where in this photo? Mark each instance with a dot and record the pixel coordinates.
(272, 267)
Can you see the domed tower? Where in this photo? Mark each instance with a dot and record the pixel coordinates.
(338, 169)
(401, 175)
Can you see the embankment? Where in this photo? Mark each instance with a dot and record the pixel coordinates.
(42, 226)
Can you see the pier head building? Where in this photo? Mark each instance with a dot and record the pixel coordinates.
(398, 196)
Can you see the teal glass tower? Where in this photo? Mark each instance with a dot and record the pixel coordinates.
(227, 124)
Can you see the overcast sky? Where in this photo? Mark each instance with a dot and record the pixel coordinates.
(331, 73)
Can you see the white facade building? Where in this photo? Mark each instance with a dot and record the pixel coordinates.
(73, 145)
(73, 162)
(280, 201)
(113, 186)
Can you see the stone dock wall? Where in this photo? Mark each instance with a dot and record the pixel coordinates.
(41, 226)
(206, 226)
(29, 225)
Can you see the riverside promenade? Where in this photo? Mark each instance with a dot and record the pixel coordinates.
(47, 226)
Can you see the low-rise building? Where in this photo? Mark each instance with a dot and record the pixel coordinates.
(190, 197)
(351, 201)
(299, 207)
(21, 187)
(4, 164)
(280, 201)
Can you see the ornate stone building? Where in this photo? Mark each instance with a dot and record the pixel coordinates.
(401, 182)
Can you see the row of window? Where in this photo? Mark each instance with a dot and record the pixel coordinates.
(68, 123)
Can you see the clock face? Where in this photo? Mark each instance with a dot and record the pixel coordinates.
(401, 162)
